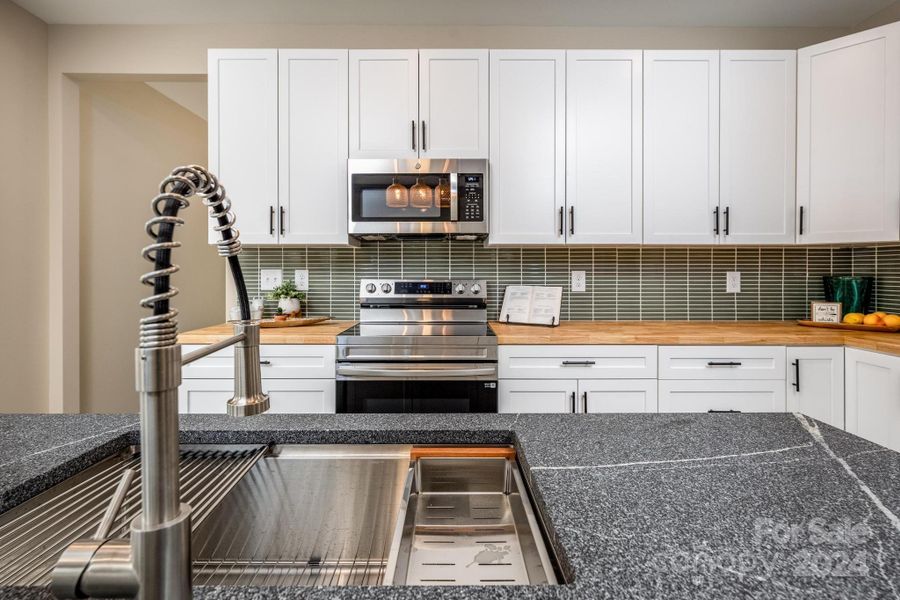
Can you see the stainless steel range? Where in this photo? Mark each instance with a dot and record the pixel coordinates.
(421, 346)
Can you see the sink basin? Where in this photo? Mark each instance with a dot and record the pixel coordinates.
(306, 515)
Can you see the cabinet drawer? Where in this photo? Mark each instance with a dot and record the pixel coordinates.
(618, 396)
(277, 362)
(721, 362)
(577, 362)
(536, 396)
(703, 396)
(287, 396)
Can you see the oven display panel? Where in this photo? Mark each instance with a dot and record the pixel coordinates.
(422, 287)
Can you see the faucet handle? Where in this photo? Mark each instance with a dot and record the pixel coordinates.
(115, 504)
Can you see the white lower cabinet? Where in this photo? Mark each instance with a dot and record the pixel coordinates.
(678, 395)
(618, 395)
(537, 395)
(298, 379)
(815, 383)
(873, 396)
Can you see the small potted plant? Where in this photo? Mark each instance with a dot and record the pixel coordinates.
(279, 315)
(289, 298)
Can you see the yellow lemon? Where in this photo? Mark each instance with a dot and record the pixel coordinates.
(872, 319)
(891, 320)
(853, 318)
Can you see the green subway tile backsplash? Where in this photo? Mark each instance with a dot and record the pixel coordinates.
(622, 283)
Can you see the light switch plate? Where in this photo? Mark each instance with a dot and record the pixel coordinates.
(733, 282)
(301, 279)
(579, 281)
(269, 279)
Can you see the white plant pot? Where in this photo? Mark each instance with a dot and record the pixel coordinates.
(289, 306)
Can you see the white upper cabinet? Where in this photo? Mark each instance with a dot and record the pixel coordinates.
(384, 103)
(757, 146)
(453, 103)
(681, 146)
(604, 146)
(527, 146)
(313, 146)
(243, 137)
(848, 154)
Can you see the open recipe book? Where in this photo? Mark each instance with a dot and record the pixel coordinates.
(531, 304)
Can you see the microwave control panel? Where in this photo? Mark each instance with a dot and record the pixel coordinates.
(471, 197)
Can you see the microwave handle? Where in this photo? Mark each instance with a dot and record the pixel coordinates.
(454, 197)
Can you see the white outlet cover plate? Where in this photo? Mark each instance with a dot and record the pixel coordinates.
(301, 279)
(579, 281)
(269, 279)
(733, 282)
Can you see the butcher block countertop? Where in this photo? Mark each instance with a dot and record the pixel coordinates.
(320, 333)
(700, 333)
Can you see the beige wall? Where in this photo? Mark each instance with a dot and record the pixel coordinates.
(883, 17)
(23, 200)
(131, 137)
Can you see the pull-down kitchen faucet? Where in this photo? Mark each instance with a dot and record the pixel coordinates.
(156, 562)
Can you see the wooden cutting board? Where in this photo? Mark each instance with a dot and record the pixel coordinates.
(271, 323)
(850, 327)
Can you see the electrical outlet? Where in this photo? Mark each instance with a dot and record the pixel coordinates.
(579, 281)
(269, 279)
(301, 279)
(733, 282)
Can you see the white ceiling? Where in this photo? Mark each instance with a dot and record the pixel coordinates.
(673, 13)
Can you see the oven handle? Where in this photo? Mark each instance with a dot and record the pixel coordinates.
(353, 371)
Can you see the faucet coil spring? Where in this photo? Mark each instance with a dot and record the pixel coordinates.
(161, 328)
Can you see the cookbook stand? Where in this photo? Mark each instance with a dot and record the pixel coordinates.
(553, 322)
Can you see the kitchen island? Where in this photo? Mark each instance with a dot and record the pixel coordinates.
(639, 505)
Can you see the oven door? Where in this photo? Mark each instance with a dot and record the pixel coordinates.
(417, 388)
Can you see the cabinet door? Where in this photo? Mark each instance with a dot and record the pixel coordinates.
(243, 137)
(757, 146)
(536, 395)
(721, 395)
(577, 362)
(848, 146)
(815, 383)
(313, 146)
(285, 395)
(453, 103)
(681, 146)
(384, 103)
(873, 396)
(527, 146)
(603, 146)
(617, 395)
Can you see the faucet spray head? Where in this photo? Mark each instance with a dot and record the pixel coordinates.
(249, 398)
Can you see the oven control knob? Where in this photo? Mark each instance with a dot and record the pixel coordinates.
(370, 288)
(460, 289)
(386, 288)
(475, 289)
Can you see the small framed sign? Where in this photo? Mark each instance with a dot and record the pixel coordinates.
(825, 312)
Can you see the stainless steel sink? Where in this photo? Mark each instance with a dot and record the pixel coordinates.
(293, 515)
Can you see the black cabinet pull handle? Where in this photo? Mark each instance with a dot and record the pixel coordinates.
(579, 363)
(571, 220)
(729, 363)
(727, 225)
(413, 134)
(801, 220)
(573, 402)
(562, 218)
(281, 221)
(271, 220)
(584, 401)
(796, 383)
(712, 410)
(423, 135)
(265, 362)
(716, 226)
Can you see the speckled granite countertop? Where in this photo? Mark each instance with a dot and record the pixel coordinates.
(637, 506)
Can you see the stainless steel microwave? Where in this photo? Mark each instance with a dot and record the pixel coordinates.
(425, 197)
